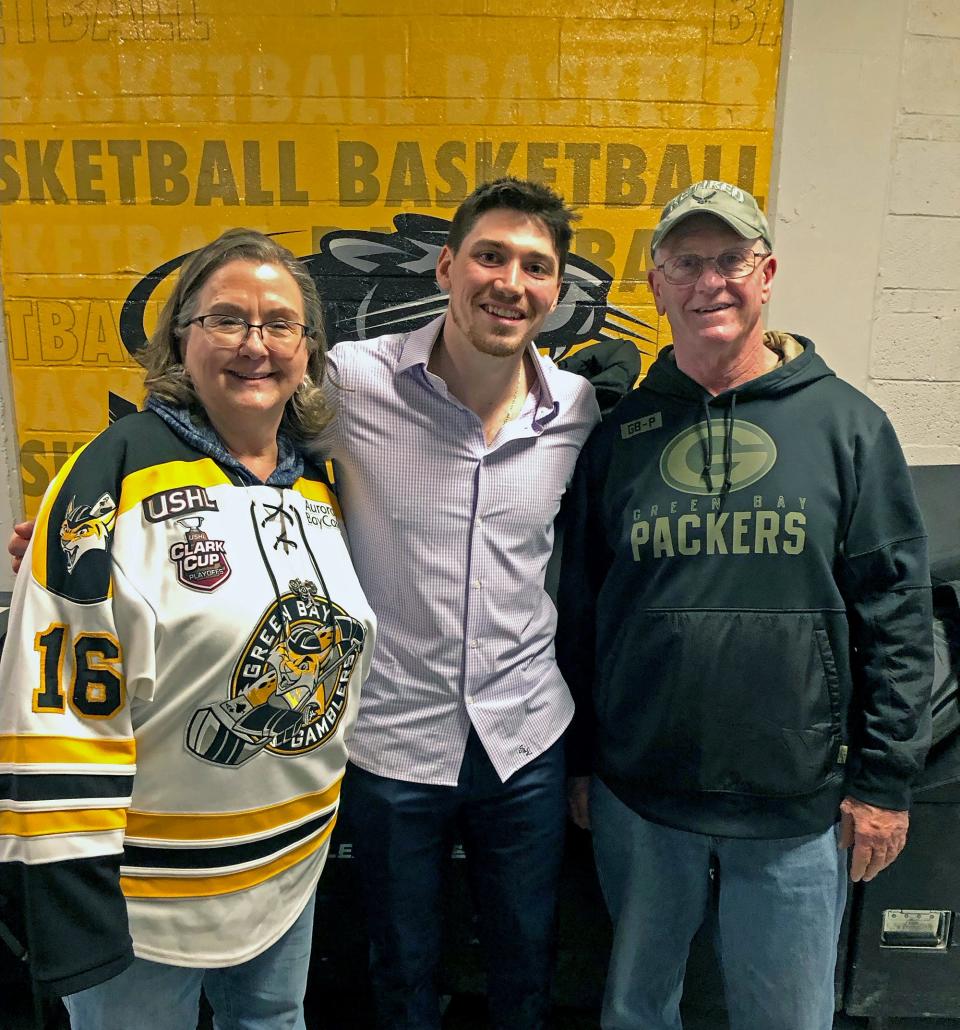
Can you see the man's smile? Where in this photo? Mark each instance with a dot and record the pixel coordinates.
(512, 314)
(709, 309)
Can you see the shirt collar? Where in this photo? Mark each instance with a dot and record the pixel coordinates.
(418, 344)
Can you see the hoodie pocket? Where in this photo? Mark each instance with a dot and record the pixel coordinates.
(737, 702)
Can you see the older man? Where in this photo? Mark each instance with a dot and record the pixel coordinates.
(746, 593)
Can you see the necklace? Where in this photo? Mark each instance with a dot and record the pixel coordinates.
(508, 414)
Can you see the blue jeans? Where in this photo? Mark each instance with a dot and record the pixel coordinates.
(513, 839)
(265, 993)
(781, 902)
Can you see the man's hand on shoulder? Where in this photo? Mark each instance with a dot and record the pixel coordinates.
(877, 835)
(17, 544)
(578, 800)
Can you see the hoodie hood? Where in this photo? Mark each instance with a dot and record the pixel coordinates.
(799, 366)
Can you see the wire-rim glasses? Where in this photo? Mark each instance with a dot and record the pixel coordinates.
(231, 330)
(736, 263)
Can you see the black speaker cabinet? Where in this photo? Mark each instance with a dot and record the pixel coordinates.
(904, 945)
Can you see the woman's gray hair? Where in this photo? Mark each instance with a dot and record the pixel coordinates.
(307, 412)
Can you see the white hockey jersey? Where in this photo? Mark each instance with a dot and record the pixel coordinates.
(183, 660)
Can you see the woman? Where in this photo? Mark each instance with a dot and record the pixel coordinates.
(182, 663)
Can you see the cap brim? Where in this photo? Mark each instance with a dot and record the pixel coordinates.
(739, 226)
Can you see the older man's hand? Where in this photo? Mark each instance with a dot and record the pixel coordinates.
(17, 544)
(877, 835)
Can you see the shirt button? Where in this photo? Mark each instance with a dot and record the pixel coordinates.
(474, 644)
(476, 584)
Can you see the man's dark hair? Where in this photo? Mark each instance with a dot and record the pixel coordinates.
(532, 198)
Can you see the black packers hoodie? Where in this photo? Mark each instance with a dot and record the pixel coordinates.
(745, 604)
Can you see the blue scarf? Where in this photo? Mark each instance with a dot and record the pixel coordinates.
(201, 435)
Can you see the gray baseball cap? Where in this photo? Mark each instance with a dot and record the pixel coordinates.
(729, 203)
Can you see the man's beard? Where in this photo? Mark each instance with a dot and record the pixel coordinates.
(489, 342)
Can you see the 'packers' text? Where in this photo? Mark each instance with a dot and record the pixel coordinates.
(737, 532)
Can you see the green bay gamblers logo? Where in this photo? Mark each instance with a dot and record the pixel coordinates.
(289, 688)
(694, 462)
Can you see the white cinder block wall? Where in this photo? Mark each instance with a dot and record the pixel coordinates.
(915, 344)
(866, 205)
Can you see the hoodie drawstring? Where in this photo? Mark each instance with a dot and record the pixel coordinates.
(706, 444)
(707, 447)
(728, 446)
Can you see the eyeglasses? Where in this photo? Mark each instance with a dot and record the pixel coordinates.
(685, 269)
(278, 334)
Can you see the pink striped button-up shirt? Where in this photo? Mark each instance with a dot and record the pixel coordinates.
(451, 539)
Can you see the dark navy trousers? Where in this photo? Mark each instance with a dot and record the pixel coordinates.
(513, 837)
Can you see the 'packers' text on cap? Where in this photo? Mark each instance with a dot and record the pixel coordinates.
(729, 203)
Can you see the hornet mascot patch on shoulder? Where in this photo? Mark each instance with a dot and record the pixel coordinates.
(86, 528)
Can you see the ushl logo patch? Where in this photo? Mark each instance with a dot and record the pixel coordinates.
(201, 562)
(178, 502)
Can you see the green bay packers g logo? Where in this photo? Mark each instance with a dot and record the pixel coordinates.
(753, 455)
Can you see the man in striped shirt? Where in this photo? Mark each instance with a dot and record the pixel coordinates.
(453, 445)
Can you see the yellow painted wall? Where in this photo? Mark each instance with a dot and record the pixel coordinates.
(136, 130)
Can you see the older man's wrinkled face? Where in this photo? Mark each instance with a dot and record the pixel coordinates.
(713, 310)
